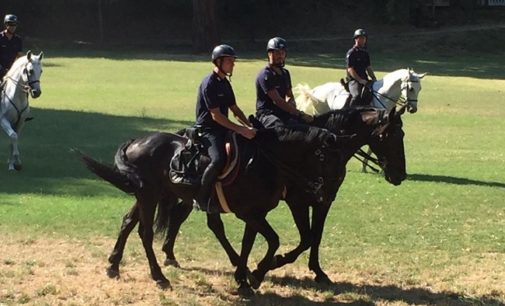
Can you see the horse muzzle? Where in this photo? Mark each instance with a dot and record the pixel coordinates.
(35, 93)
(411, 109)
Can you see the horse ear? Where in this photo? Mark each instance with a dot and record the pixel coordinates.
(29, 55)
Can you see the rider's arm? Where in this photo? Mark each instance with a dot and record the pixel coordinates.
(371, 73)
(355, 75)
(239, 115)
(224, 121)
(282, 103)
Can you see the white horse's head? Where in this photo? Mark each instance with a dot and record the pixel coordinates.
(26, 71)
(410, 88)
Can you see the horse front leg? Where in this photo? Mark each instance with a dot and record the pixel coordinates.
(129, 221)
(178, 214)
(262, 226)
(13, 159)
(319, 214)
(300, 213)
(215, 223)
(242, 274)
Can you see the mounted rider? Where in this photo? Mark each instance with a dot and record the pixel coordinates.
(215, 98)
(11, 45)
(275, 103)
(359, 68)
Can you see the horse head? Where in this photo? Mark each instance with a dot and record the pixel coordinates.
(31, 73)
(387, 143)
(410, 88)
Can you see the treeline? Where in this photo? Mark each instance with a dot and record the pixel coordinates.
(201, 23)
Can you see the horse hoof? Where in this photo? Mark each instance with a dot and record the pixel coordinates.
(18, 167)
(323, 279)
(245, 291)
(255, 279)
(163, 284)
(112, 273)
(172, 262)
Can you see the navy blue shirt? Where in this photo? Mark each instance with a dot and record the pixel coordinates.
(9, 49)
(358, 59)
(266, 80)
(213, 92)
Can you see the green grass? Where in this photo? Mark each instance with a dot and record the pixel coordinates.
(450, 209)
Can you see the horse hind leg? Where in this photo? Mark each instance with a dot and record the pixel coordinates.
(178, 214)
(130, 220)
(147, 206)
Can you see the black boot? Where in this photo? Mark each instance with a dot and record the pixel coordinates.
(202, 200)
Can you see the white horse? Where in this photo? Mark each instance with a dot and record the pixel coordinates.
(22, 79)
(398, 88)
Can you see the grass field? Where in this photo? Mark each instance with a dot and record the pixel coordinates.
(438, 239)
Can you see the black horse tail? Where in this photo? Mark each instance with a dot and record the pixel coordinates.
(165, 211)
(110, 174)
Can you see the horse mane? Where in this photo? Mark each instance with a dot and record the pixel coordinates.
(16, 65)
(338, 119)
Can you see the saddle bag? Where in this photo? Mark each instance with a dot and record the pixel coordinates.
(185, 166)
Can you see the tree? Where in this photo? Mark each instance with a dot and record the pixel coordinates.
(205, 27)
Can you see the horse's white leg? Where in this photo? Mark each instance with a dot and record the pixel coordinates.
(6, 125)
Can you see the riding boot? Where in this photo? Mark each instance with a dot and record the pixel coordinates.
(203, 201)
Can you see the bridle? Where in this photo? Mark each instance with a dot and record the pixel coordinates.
(401, 101)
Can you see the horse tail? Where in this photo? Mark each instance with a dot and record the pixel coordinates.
(306, 101)
(119, 179)
(165, 211)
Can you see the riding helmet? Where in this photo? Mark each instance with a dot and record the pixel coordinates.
(9, 18)
(223, 51)
(277, 43)
(360, 32)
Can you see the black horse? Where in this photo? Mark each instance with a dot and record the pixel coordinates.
(386, 143)
(275, 158)
(382, 132)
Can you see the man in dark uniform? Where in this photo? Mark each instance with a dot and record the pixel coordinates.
(275, 103)
(11, 45)
(215, 97)
(359, 67)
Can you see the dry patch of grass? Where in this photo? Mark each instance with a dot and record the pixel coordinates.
(49, 271)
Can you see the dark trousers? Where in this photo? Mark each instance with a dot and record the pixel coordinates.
(214, 142)
(269, 119)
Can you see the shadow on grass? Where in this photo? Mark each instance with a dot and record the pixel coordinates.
(50, 165)
(357, 294)
(452, 180)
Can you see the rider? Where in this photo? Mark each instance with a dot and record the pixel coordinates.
(275, 103)
(358, 66)
(215, 97)
(11, 45)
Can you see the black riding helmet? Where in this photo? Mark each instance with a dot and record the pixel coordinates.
(277, 43)
(9, 18)
(222, 51)
(360, 32)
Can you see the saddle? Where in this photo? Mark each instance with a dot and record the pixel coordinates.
(365, 98)
(189, 162)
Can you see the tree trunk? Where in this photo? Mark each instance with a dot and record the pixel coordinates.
(205, 28)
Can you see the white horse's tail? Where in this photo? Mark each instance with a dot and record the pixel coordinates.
(307, 102)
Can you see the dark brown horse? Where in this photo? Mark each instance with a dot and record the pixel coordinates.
(383, 133)
(276, 158)
(386, 143)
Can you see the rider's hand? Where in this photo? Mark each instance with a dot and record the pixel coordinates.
(307, 118)
(248, 132)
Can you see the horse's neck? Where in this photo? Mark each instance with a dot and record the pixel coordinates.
(388, 90)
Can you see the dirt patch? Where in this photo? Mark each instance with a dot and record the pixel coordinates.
(48, 271)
